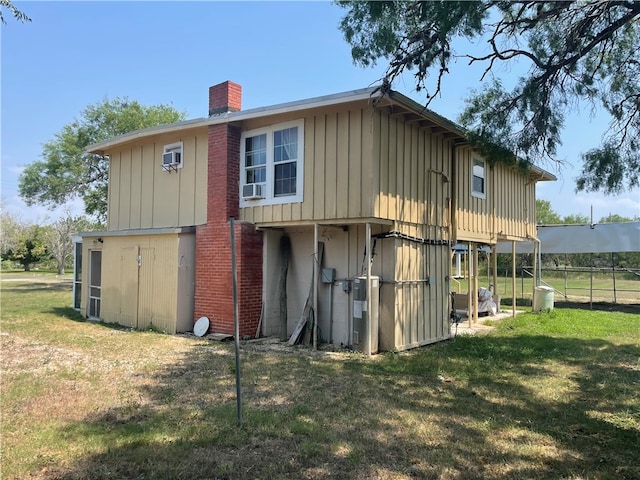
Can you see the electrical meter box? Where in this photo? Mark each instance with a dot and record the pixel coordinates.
(363, 320)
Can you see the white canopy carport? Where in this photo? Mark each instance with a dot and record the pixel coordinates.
(596, 238)
(591, 238)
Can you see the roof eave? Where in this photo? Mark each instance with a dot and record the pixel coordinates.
(317, 102)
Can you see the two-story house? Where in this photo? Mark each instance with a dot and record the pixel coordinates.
(364, 186)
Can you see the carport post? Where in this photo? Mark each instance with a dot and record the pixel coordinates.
(235, 319)
(316, 269)
(513, 277)
(476, 278)
(369, 303)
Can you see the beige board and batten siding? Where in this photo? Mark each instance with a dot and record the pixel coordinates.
(143, 195)
(414, 191)
(507, 212)
(364, 163)
(338, 178)
(147, 280)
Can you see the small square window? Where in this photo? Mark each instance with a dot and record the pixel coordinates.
(478, 179)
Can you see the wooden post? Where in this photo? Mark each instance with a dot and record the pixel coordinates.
(469, 280)
(591, 275)
(513, 277)
(613, 271)
(236, 327)
(369, 303)
(495, 268)
(316, 265)
(475, 283)
(535, 274)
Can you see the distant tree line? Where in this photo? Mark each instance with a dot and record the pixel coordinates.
(50, 246)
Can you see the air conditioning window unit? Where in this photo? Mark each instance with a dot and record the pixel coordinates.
(253, 191)
(170, 158)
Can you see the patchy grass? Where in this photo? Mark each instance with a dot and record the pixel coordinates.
(542, 396)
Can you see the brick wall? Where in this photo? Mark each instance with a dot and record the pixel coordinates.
(213, 289)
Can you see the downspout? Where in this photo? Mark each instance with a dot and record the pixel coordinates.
(453, 202)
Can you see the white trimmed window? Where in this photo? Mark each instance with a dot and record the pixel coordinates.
(478, 179)
(172, 156)
(272, 164)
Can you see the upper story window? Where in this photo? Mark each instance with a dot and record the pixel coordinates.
(272, 164)
(478, 179)
(172, 157)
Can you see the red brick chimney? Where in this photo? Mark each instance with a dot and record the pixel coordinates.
(213, 289)
(224, 98)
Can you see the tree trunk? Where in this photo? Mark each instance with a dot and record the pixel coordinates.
(285, 253)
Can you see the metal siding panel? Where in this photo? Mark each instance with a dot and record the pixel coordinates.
(124, 215)
(114, 191)
(148, 185)
(136, 182)
(335, 152)
(393, 169)
(339, 183)
(360, 166)
(187, 182)
(313, 142)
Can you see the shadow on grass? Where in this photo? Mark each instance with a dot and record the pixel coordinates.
(601, 306)
(478, 407)
(36, 286)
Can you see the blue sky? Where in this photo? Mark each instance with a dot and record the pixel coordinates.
(74, 54)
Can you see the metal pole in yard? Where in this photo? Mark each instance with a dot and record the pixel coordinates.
(235, 319)
(591, 282)
(613, 271)
(513, 277)
(316, 268)
(369, 303)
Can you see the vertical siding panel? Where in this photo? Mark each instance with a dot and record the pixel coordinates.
(136, 185)
(385, 191)
(413, 180)
(187, 180)
(201, 179)
(337, 146)
(327, 155)
(114, 191)
(314, 153)
(406, 172)
(343, 182)
(393, 168)
(400, 173)
(420, 178)
(360, 188)
(370, 147)
(148, 186)
(124, 215)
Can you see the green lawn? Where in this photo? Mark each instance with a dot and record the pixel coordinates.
(577, 288)
(554, 395)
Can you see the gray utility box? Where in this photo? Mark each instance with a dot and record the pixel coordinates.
(362, 319)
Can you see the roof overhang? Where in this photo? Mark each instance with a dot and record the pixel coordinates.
(397, 103)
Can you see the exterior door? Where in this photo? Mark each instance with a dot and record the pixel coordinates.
(95, 283)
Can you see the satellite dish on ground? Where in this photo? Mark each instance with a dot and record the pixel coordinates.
(201, 327)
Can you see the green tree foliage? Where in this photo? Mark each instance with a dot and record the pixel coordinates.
(67, 170)
(17, 14)
(545, 214)
(573, 53)
(59, 237)
(30, 247)
(576, 219)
